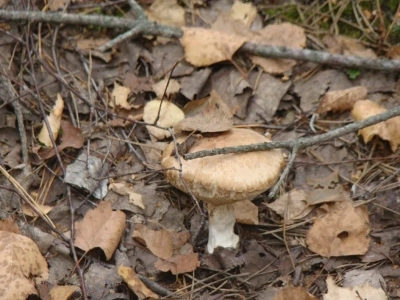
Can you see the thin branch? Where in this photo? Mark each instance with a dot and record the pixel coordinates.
(302, 142)
(151, 28)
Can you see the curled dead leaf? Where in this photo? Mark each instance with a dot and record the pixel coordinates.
(387, 130)
(101, 227)
(341, 100)
(170, 115)
(54, 120)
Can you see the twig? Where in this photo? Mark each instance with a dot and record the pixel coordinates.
(155, 287)
(151, 28)
(137, 9)
(284, 173)
(302, 142)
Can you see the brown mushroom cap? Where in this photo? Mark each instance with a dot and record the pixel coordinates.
(227, 178)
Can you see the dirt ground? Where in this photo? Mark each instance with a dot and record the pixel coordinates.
(88, 209)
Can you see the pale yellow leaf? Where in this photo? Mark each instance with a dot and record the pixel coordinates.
(54, 120)
(135, 284)
(159, 87)
(170, 115)
(119, 97)
(204, 47)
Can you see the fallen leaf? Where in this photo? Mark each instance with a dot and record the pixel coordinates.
(210, 115)
(243, 12)
(184, 261)
(135, 284)
(172, 248)
(91, 46)
(125, 189)
(170, 115)
(343, 230)
(292, 205)
(173, 87)
(56, 4)
(23, 266)
(9, 225)
(347, 46)
(326, 189)
(284, 34)
(101, 227)
(159, 242)
(119, 97)
(301, 293)
(354, 293)
(246, 212)
(54, 120)
(167, 12)
(71, 137)
(62, 292)
(83, 173)
(387, 130)
(341, 100)
(27, 210)
(204, 47)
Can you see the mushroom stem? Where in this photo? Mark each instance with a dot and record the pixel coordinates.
(221, 222)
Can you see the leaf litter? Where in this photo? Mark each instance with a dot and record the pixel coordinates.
(337, 209)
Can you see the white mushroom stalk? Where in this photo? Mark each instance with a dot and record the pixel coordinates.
(221, 222)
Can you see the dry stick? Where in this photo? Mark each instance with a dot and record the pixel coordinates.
(302, 142)
(151, 28)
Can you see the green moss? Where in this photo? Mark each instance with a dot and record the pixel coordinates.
(287, 12)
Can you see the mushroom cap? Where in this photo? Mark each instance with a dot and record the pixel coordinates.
(225, 178)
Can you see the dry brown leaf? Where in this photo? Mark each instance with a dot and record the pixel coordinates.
(342, 231)
(347, 46)
(185, 261)
(284, 34)
(135, 284)
(243, 12)
(119, 97)
(56, 4)
(71, 137)
(326, 189)
(341, 100)
(54, 120)
(62, 292)
(204, 47)
(246, 212)
(9, 226)
(91, 46)
(170, 115)
(292, 205)
(355, 293)
(23, 266)
(159, 242)
(159, 87)
(387, 130)
(210, 115)
(289, 292)
(172, 248)
(44, 209)
(123, 188)
(167, 12)
(101, 227)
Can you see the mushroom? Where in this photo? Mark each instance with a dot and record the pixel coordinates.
(221, 180)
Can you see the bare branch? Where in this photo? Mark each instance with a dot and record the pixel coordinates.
(151, 28)
(302, 142)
